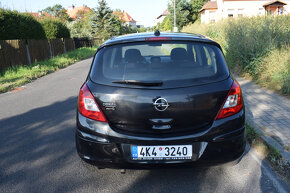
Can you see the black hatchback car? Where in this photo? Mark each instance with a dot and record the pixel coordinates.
(156, 100)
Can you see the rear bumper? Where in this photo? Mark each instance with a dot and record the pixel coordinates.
(98, 144)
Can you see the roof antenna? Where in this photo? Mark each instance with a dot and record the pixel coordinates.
(157, 33)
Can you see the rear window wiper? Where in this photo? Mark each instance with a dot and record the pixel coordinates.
(139, 83)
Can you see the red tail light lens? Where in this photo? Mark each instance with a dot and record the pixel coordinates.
(158, 39)
(87, 105)
(233, 103)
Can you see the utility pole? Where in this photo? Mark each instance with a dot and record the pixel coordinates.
(175, 29)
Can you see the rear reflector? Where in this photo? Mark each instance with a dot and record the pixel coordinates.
(88, 106)
(233, 103)
(159, 39)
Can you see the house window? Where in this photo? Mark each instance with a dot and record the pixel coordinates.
(231, 12)
(240, 12)
(269, 12)
(212, 16)
(280, 11)
(261, 11)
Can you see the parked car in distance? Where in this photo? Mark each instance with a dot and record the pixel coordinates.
(154, 100)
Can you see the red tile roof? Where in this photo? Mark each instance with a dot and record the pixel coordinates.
(124, 16)
(209, 5)
(165, 12)
(73, 12)
(274, 2)
(37, 14)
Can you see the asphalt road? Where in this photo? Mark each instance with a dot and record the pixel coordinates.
(37, 150)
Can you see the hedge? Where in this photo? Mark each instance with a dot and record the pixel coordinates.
(54, 28)
(15, 25)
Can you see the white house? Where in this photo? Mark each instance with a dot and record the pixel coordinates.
(215, 10)
(126, 18)
(161, 17)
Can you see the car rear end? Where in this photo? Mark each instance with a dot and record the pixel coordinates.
(160, 101)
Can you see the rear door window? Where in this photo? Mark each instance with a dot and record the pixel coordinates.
(173, 63)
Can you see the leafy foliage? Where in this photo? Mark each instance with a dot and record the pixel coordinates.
(81, 27)
(57, 11)
(196, 6)
(54, 28)
(100, 24)
(263, 52)
(166, 25)
(14, 25)
(120, 26)
(104, 23)
(184, 13)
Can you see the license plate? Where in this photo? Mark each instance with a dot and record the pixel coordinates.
(172, 152)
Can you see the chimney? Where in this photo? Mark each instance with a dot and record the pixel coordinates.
(70, 8)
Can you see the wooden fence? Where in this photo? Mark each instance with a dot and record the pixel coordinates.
(39, 50)
(26, 52)
(12, 52)
(83, 42)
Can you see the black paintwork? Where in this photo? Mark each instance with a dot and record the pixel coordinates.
(192, 109)
(139, 37)
(98, 144)
(132, 119)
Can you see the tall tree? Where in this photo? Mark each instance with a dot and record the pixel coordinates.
(57, 11)
(120, 25)
(81, 28)
(166, 25)
(104, 23)
(196, 6)
(184, 13)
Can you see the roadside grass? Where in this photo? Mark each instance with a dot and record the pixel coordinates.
(275, 71)
(16, 76)
(269, 152)
(256, 47)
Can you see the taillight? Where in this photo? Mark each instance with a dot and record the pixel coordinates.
(158, 39)
(233, 103)
(87, 105)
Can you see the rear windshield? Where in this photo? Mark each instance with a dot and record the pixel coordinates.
(172, 63)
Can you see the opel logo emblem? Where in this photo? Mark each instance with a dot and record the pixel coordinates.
(161, 104)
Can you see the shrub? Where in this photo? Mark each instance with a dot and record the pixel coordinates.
(274, 70)
(54, 28)
(249, 39)
(80, 28)
(15, 25)
(258, 46)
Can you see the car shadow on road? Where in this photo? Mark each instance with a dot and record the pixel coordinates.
(37, 148)
(199, 179)
(38, 154)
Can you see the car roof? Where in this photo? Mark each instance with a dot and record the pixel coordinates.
(139, 37)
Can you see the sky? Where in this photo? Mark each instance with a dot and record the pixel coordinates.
(143, 11)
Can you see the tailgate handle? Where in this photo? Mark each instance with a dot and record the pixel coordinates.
(161, 121)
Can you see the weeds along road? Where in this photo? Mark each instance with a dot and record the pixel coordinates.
(37, 150)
